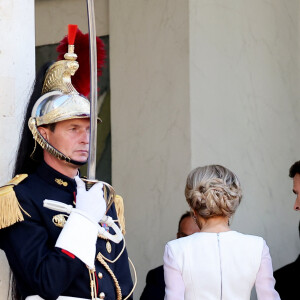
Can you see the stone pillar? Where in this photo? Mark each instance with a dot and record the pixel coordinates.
(17, 60)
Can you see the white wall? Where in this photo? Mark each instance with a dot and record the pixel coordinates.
(244, 72)
(16, 76)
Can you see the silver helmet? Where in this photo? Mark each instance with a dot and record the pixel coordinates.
(59, 102)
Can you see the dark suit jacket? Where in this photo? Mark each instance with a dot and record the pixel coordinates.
(155, 285)
(288, 280)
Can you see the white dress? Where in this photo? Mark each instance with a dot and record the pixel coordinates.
(218, 266)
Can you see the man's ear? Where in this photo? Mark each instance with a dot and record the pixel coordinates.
(44, 132)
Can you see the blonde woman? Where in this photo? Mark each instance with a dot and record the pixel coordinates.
(217, 263)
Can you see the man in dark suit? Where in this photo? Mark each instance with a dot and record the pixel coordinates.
(287, 279)
(155, 283)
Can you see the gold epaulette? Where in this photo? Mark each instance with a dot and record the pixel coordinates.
(119, 205)
(10, 208)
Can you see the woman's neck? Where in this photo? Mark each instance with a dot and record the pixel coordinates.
(214, 224)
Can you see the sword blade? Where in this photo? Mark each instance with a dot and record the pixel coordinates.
(91, 172)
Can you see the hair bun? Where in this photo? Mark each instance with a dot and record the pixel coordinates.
(213, 196)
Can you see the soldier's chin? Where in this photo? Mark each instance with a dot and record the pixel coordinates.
(82, 157)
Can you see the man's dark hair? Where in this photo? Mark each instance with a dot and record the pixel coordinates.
(294, 169)
(185, 215)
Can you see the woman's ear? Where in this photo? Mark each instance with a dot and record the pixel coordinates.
(197, 219)
(44, 132)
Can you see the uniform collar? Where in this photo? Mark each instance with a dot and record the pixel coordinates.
(55, 178)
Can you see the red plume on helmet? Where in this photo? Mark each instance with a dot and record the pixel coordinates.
(81, 79)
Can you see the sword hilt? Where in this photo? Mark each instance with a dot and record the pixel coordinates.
(108, 191)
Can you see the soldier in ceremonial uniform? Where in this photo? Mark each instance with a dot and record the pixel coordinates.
(53, 254)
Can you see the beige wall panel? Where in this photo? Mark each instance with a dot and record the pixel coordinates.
(150, 122)
(244, 71)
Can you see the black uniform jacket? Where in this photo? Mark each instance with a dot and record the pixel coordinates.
(38, 266)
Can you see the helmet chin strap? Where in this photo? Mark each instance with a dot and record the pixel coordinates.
(53, 151)
(76, 162)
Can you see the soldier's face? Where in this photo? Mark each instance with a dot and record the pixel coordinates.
(71, 137)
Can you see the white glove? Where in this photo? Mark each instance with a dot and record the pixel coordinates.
(92, 202)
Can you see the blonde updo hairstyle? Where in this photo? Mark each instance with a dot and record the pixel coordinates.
(213, 191)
